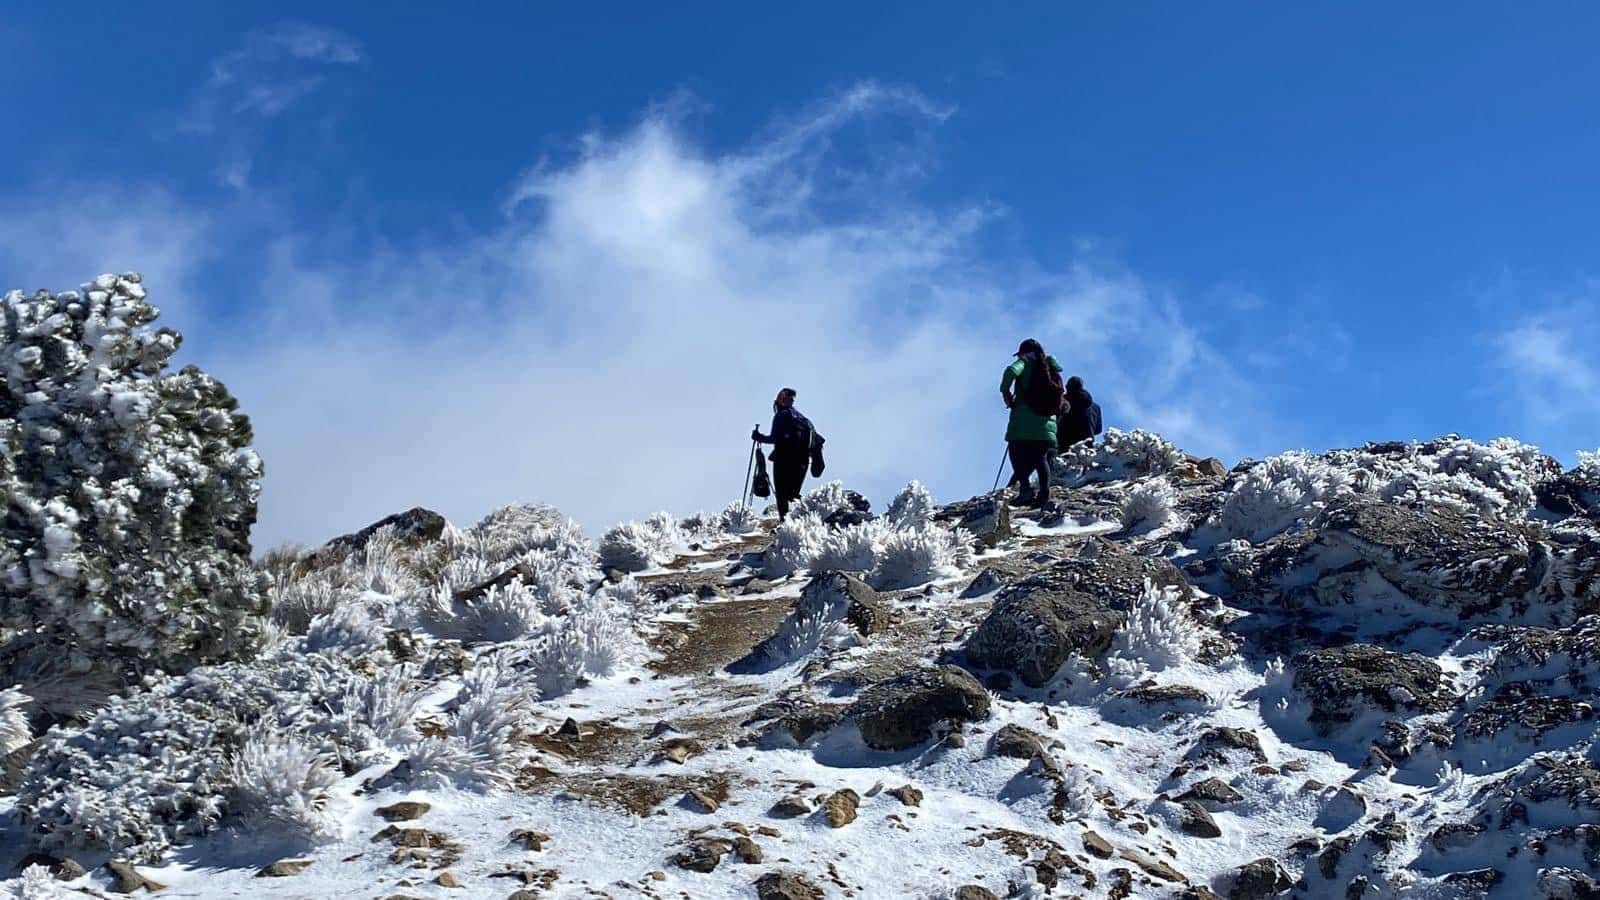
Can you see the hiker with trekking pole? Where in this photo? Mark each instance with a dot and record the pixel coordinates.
(796, 449)
(1031, 388)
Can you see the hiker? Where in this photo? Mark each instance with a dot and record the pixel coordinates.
(796, 446)
(1031, 431)
(1081, 420)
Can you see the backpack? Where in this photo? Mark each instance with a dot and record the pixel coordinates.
(761, 486)
(1044, 395)
(1094, 418)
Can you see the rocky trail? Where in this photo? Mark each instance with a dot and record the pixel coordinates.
(1369, 673)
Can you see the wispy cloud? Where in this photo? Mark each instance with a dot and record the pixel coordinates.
(1551, 367)
(274, 70)
(608, 345)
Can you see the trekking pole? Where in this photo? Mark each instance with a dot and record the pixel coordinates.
(1002, 468)
(749, 467)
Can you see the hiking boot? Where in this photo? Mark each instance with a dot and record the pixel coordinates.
(1023, 498)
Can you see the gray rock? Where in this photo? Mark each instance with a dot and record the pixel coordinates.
(283, 868)
(404, 811)
(1212, 792)
(1075, 606)
(986, 582)
(125, 879)
(703, 855)
(1475, 883)
(903, 711)
(416, 525)
(975, 892)
(1196, 821)
(986, 518)
(786, 886)
(1220, 743)
(790, 807)
(1016, 742)
(1575, 492)
(1560, 883)
(1259, 880)
(1339, 681)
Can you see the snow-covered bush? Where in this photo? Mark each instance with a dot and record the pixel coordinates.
(917, 556)
(511, 531)
(296, 601)
(14, 730)
(131, 490)
(801, 633)
(1158, 633)
(912, 507)
(492, 702)
(155, 767)
(1278, 492)
(636, 546)
(1588, 463)
(893, 557)
(37, 883)
(1148, 505)
(739, 518)
(824, 501)
(1496, 478)
(350, 629)
(283, 784)
(1118, 455)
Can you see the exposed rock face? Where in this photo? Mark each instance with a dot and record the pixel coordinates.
(414, 525)
(1576, 492)
(987, 518)
(1338, 681)
(1075, 606)
(904, 711)
(1259, 880)
(1016, 742)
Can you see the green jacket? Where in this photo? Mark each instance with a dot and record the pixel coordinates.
(1025, 424)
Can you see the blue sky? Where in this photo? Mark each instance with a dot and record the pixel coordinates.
(465, 259)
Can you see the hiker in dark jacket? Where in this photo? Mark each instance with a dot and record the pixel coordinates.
(1075, 425)
(791, 450)
(1030, 435)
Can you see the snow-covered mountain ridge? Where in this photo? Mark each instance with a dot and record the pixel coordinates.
(1362, 673)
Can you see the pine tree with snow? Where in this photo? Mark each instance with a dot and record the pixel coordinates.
(129, 493)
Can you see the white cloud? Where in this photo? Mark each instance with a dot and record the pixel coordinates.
(607, 347)
(1550, 359)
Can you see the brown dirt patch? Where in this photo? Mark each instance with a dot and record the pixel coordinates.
(720, 631)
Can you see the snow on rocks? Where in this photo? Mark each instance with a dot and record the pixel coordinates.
(1125, 728)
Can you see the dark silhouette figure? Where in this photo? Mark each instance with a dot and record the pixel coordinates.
(792, 438)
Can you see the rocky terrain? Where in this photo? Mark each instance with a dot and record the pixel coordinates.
(1364, 673)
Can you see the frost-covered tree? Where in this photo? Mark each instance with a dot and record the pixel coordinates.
(128, 492)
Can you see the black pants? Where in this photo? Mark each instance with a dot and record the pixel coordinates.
(1028, 457)
(787, 476)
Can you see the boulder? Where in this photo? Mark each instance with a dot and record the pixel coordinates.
(283, 868)
(1211, 793)
(786, 886)
(975, 892)
(1016, 742)
(1075, 606)
(414, 526)
(125, 879)
(404, 811)
(1339, 681)
(1259, 880)
(703, 855)
(840, 808)
(1574, 493)
(1194, 820)
(986, 518)
(903, 711)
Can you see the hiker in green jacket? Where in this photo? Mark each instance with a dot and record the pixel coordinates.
(1030, 434)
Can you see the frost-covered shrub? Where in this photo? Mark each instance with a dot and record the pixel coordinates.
(1588, 464)
(1158, 633)
(282, 784)
(14, 730)
(739, 518)
(155, 767)
(912, 507)
(800, 634)
(1118, 455)
(1148, 505)
(492, 703)
(1496, 478)
(511, 531)
(131, 490)
(37, 883)
(296, 601)
(853, 549)
(918, 556)
(893, 557)
(795, 543)
(824, 501)
(636, 546)
(350, 629)
(1278, 492)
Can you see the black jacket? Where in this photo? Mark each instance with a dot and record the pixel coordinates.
(791, 434)
(1073, 425)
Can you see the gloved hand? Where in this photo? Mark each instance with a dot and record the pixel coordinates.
(755, 434)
